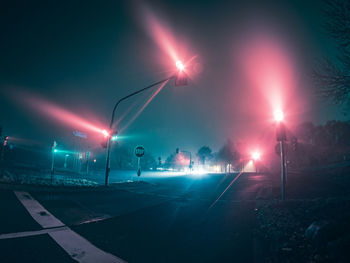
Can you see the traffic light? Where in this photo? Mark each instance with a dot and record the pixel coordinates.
(54, 145)
(281, 132)
(181, 79)
(5, 140)
(104, 143)
(177, 150)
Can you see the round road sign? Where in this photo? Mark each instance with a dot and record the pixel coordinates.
(139, 151)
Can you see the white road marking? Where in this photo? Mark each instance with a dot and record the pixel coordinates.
(37, 211)
(75, 245)
(30, 233)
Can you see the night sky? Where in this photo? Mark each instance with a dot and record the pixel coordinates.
(83, 56)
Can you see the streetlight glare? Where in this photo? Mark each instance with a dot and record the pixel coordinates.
(256, 156)
(279, 116)
(105, 133)
(180, 66)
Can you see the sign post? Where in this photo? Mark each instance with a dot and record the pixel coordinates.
(53, 150)
(87, 155)
(139, 152)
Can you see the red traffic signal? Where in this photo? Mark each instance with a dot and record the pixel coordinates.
(181, 79)
(104, 143)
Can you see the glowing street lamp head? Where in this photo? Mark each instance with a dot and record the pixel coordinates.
(279, 116)
(105, 133)
(256, 156)
(180, 66)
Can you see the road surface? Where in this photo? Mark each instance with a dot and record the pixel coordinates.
(161, 217)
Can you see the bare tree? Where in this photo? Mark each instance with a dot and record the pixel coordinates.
(204, 153)
(333, 77)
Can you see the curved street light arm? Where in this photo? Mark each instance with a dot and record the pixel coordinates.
(135, 93)
(112, 120)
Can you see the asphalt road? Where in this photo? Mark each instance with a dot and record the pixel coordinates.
(158, 218)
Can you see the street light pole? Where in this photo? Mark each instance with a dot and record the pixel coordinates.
(281, 137)
(190, 154)
(4, 143)
(53, 151)
(112, 120)
(283, 171)
(65, 161)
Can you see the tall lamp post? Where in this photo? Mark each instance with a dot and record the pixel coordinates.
(255, 158)
(281, 138)
(180, 80)
(187, 152)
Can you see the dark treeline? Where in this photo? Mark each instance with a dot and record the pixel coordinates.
(319, 144)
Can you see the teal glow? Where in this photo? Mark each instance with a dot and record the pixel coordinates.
(64, 151)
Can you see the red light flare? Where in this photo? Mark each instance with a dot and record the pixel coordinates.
(278, 115)
(57, 113)
(256, 155)
(175, 50)
(268, 67)
(105, 133)
(180, 66)
(181, 159)
(144, 106)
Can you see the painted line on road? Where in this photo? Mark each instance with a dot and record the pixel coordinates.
(75, 245)
(37, 211)
(31, 233)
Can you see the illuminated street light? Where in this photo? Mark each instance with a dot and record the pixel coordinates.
(180, 80)
(279, 116)
(256, 156)
(105, 133)
(180, 66)
(181, 76)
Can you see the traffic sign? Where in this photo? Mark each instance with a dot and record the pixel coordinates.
(139, 151)
(80, 134)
